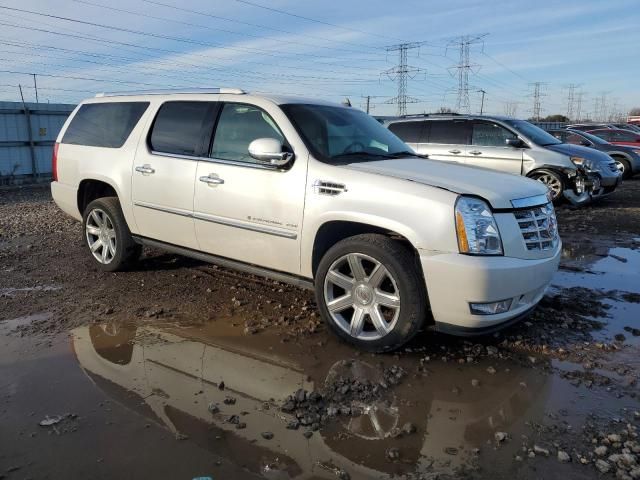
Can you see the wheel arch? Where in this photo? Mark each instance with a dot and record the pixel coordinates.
(91, 189)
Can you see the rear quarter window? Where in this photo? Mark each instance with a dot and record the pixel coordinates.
(104, 124)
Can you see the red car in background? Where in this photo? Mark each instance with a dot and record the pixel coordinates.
(617, 137)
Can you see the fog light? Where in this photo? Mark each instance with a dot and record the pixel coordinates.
(490, 308)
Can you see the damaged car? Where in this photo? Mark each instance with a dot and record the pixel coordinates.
(572, 172)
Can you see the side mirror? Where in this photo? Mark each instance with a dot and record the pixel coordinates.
(269, 150)
(514, 142)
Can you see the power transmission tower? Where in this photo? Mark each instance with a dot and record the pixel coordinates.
(464, 65)
(537, 96)
(600, 107)
(579, 99)
(401, 73)
(510, 109)
(571, 100)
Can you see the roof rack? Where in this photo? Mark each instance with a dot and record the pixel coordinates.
(232, 91)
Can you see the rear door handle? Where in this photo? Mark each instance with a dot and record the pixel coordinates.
(475, 152)
(212, 180)
(455, 152)
(145, 169)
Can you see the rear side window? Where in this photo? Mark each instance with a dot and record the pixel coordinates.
(104, 124)
(575, 139)
(449, 132)
(410, 132)
(183, 128)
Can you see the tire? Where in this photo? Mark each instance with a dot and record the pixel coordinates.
(553, 181)
(123, 250)
(388, 291)
(624, 166)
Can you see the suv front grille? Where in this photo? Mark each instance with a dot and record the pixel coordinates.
(538, 227)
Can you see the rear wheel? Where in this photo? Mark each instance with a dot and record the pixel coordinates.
(370, 292)
(107, 235)
(624, 167)
(553, 181)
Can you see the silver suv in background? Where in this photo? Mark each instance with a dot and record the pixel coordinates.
(576, 173)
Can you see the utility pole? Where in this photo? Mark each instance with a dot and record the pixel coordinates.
(368, 102)
(464, 65)
(401, 73)
(482, 101)
(537, 95)
(35, 86)
(32, 147)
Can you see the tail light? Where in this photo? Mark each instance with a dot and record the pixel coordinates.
(54, 162)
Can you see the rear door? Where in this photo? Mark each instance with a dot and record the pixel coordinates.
(489, 148)
(446, 140)
(410, 132)
(165, 171)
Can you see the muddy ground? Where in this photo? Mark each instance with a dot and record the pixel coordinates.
(179, 369)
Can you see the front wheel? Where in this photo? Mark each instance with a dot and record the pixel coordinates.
(107, 235)
(371, 293)
(553, 181)
(624, 167)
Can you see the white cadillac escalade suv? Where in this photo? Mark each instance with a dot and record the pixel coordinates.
(313, 193)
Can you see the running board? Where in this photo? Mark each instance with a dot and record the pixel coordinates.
(228, 263)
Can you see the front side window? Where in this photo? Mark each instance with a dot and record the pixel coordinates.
(562, 136)
(533, 133)
(336, 134)
(104, 124)
(238, 126)
(488, 134)
(182, 128)
(576, 139)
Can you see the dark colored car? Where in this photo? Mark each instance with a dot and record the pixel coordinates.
(587, 127)
(617, 137)
(627, 158)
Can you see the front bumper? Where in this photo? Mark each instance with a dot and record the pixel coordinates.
(454, 280)
(596, 184)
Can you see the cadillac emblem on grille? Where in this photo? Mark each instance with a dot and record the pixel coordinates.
(538, 227)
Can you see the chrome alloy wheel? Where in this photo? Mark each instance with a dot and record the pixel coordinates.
(362, 296)
(101, 236)
(620, 165)
(553, 183)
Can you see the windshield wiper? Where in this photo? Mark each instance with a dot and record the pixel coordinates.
(361, 154)
(406, 153)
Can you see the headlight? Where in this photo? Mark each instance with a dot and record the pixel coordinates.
(476, 228)
(579, 161)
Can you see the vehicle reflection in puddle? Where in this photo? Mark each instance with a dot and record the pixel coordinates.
(174, 374)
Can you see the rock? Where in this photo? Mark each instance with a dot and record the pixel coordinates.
(221, 386)
(602, 466)
(408, 428)
(491, 370)
(213, 408)
(50, 421)
(614, 438)
(267, 435)
(289, 406)
(451, 451)
(308, 434)
(393, 453)
(491, 350)
(619, 337)
(541, 450)
(600, 451)
(635, 473)
(241, 425)
(229, 401)
(293, 425)
(563, 456)
(500, 436)
(475, 382)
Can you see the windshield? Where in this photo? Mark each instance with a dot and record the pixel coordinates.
(594, 139)
(533, 133)
(344, 134)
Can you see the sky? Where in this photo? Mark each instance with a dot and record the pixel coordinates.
(330, 50)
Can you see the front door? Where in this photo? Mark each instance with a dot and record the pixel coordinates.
(165, 171)
(243, 209)
(489, 149)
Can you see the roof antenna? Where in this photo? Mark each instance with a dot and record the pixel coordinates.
(346, 102)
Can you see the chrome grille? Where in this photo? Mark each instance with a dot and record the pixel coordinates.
(538, 227)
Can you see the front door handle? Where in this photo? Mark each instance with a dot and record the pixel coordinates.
(475, 152)
(212, 180)
(145, 169)
(455, 152)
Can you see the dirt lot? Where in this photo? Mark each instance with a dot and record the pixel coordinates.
(179, 369)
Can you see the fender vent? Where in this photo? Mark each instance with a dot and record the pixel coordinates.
(328, 188)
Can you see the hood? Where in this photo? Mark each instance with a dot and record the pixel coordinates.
(579, 151)
(495, 187)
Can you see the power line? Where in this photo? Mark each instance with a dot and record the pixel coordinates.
(400, 73)
(464, 66)
(322, 22)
